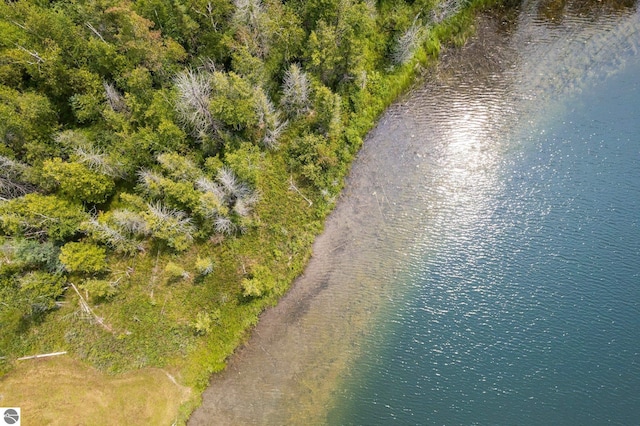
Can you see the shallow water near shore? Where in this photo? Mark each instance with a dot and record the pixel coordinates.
(483, 263)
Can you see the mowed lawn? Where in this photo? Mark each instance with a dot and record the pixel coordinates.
(62, 391)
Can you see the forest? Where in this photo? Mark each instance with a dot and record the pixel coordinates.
(167, 164)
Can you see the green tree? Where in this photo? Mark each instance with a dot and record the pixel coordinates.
(314, 11)
(41, 289)
(328, 107)
(260, 282)
(175, 272)
(41, 216)
(83, 257)
(77, 182)
(179, 167)
(323, 54)
(339, 49)
(233, 101)
(27, 123)
(313, 156)
(287, 37)
(99, 289)
(177, 194)
(199, 25)
(204, 266)
(34, 254)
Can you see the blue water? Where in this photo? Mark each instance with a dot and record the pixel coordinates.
(520, 303)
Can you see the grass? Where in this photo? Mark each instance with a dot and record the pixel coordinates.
(64, 391)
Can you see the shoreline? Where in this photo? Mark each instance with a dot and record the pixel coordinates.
(312, 294)
(361, 198)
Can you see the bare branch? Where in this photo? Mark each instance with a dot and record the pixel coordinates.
(12, 184)
(209, 14)
(293, 187)
(24, 358)
(91, 27)
(87, 309)
(32, 53)
(268, 120)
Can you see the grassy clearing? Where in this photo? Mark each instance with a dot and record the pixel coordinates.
(64, 391)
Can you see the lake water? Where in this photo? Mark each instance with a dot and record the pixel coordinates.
(483, 264)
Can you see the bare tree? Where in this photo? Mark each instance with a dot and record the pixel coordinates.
(238, 195)
(173, 218)
(115, 239)
(163, 212)
(205, 184)
(248, 12)
(224, 225)
(273, 133)
(244, 206)
(173, 226)
(408, 43)
(250, 20)
(12, 184)
(114, 98)
(99, 162)
(295, 91)
(192, 106)
(130, 222)
(150, 181)
(268, 120)
(233, 187)
(445, 9)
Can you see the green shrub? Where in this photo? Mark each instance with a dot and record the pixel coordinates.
(204, 322)
(260, 282)
(41, 289)
(77, 182)
(99, 289)
(40, 216)
(175, 271)
(83, 257)
(204, 266)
